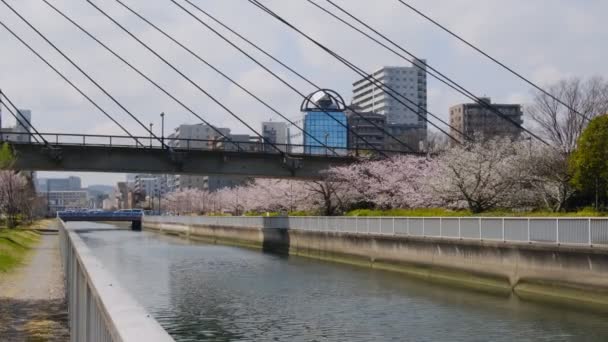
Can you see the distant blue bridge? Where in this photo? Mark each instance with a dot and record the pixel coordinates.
(135, 217)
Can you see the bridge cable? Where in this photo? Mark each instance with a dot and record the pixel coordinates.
(83, 72)
(277, 77)
(231, 80)
(352, 109)
(69, 82)
(25, 123)
(218, 102)
(434, 72)
(487, 55)
(392, 93)
(134, 68)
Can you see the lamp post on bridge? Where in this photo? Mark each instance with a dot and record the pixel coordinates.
(162, 125)
(151, 134)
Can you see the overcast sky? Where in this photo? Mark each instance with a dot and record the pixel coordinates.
(543, 39)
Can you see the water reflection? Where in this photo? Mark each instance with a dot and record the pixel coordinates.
(204, 292)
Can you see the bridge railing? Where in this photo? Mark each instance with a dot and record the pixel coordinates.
(99, 309)
(102, 214)
(537, 230)
(180, 144)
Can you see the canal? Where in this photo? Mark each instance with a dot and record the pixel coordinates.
(202, 292)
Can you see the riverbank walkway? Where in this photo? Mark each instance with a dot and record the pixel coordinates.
(32, 298)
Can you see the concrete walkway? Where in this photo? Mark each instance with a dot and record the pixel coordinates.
(32, 300)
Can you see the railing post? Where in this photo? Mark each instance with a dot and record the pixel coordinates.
(110, 141)
(423, 230)
(529, 241)
(503, 230)
(407, 225)
(357, 224)
(459, 229)
(589, 231)
(393, 226)
(441, 227)
(557, 230)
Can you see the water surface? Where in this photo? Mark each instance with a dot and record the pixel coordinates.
(201, 292)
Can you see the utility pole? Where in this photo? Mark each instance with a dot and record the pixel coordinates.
(1, 133)
(48, 199)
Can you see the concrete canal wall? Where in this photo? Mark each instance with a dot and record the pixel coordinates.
(576, 275)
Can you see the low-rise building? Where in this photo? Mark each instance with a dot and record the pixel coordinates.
(22, 129)
(275, 133)
(366, 128)
(65, 200)
(412, 138)
(479, 120)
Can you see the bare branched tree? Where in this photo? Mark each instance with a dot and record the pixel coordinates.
(562, 126)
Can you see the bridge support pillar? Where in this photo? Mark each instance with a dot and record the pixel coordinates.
(136, 226)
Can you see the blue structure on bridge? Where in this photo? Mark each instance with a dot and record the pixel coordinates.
(324, 120)
(133, 216)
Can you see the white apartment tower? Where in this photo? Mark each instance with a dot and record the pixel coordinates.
(409, 82)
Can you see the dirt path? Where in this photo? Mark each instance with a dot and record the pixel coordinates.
(32, 303)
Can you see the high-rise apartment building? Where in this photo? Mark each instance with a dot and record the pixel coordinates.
(477, 120)
(409, 82)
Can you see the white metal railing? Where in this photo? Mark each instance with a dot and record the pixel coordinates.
(99, 309)
(545, 230)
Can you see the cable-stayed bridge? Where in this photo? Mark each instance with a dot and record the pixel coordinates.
(127, 153)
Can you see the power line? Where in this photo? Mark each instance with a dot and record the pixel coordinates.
(69, 82)
(274, 74)
(362, 73)
(219, 103)
(19, 122)
(82, 71)
(434, 72)
(133, 67)
(485, 54)
(295, 72)
(198, 57)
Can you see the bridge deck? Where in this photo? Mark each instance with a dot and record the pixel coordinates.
(190, 157)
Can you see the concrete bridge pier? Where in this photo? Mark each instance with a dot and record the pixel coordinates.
(136, 226)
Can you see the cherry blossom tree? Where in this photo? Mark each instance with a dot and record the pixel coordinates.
(16, 197)
(482, 175)
(399, 182)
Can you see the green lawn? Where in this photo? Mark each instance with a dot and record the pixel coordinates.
(439, 212)
(14, 246)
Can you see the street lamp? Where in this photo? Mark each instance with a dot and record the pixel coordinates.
(162, 123)
(151, 134)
